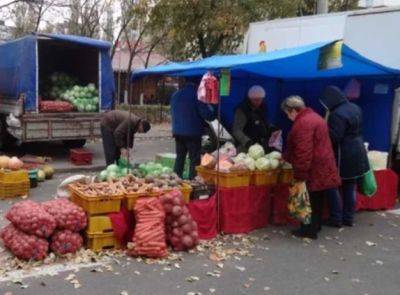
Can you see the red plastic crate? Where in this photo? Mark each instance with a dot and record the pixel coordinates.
(80, 156)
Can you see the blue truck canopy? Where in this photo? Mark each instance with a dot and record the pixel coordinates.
(298, 71)
(20, 67)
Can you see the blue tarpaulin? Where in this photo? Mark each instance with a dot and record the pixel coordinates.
(298, 71)
(19, 68)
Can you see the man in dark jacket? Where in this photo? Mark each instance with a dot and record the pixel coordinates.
(250, 124)
(345, 129)
(118, 129)
(188, 120)
(310, 152)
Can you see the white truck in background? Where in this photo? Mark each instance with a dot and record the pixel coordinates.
(372, 32)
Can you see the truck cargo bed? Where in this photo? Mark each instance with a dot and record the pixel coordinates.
(57, 126)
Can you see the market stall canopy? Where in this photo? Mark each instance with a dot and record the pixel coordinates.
(293, 63)
(79, 39)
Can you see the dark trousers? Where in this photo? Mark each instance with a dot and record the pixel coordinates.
(111, 152)
(342, 203)
(317, 200)
(185, 145)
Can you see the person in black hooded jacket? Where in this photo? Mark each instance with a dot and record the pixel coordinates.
(345, 130)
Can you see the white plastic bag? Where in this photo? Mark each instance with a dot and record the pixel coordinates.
(63, 191)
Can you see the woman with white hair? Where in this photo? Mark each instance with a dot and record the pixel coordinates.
(250, 124)
(310, 152)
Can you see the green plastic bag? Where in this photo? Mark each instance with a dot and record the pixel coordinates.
(367, 184)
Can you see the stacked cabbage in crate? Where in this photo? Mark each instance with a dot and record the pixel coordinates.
(243, 169)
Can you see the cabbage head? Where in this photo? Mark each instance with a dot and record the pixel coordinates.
(256, 151)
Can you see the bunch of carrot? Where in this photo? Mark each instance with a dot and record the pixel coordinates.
(149, 239)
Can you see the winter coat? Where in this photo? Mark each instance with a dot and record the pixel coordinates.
(345, 129)
(120, 123)
(250, 126)
(309, 150)
(188, 113)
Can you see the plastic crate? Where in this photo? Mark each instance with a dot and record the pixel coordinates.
(286, 176)
(96, 205)
(207, 175)
(225, 179)
(186, 190)
(14, 176)
(130, 199)
(260, 178)
(14, 184)
(80, 157)
(100, 242)
(99, 225)
(33, 179)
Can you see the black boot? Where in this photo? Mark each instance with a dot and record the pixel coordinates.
(305, 233)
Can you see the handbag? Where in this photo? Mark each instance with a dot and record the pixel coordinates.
(367, 184)
(299, 203)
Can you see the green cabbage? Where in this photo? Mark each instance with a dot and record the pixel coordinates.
(256, 151)
(250, 163)
(263, 164)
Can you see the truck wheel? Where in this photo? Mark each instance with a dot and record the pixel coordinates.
(74, 144)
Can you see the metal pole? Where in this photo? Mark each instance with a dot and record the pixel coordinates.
(218, 156)
(322, 6)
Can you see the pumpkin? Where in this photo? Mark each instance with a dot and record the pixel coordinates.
(15, 163)
(4, 162)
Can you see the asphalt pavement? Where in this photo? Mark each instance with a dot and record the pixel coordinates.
(361, 260)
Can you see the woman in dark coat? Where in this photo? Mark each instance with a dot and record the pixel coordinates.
(309, 150)
(345, 130)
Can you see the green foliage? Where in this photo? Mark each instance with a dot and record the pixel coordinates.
(201, 28)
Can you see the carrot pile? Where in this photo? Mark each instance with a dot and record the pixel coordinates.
(149, 237)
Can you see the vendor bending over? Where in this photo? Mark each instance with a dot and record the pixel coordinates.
(250, 123)
(118, 130)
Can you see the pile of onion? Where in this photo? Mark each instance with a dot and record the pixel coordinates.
(181, 228)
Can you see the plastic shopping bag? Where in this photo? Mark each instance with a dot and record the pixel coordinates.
(299, 203)
(275, 140)
(367, 184)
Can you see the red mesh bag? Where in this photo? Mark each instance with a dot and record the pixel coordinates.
(182, 231)
(22, 245)
(67, 214)
(66, 241)
(31, 218)
(50, 106)
(149, 236)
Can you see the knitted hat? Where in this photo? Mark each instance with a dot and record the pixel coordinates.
(256, 91)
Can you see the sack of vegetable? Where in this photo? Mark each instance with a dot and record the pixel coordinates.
(149, 236)
(31, 218)
(181, 228)
(22, 245)
(67, 214)
(65, 241)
